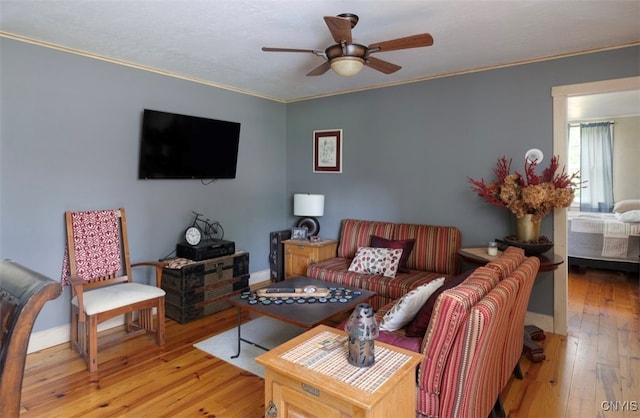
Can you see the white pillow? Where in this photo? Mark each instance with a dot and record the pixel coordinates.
(369, 260)
(630, 216)
(408, 306)
(626, 205)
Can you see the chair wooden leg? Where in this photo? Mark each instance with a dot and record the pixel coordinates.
(92, 349)
(517, 371)
(161, 323)
(80, 345)
(498, 409)
(74, 328)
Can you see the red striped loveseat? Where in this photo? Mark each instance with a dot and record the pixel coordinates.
(434, 255)
(474, 338)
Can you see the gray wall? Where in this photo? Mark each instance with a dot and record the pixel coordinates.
(69, 136)
(409, 149)
(70, 132)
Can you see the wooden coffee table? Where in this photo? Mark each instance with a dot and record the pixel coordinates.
(305, 315)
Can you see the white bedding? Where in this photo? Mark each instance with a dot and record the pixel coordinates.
(603, 236)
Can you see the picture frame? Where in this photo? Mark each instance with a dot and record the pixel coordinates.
(327, 151)
(299, 234)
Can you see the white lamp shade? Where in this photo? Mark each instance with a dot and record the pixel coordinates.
(305, 204)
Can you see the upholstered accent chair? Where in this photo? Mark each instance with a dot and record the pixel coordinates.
(473, 337)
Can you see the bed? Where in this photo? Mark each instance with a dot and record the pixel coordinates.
(605, 240)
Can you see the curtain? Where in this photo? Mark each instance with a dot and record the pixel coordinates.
(596, 167)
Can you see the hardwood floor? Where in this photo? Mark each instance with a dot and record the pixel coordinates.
(598, 361)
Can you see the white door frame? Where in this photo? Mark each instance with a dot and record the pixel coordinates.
(560, 147)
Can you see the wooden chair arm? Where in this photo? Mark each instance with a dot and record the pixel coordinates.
(159, 265)
(76, 281)
(77, 286)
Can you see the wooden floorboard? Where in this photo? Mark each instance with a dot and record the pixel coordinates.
(598, 361)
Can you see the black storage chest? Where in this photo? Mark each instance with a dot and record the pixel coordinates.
(201, 288)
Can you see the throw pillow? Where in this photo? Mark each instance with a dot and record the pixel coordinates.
(630, 216)
(407, 306)
(626, 205)
(405, 244)
(418, 325)
(370, 260)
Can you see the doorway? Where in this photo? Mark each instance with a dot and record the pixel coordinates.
(561, 95)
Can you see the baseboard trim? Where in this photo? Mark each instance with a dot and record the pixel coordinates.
(544, 322)
(259, 276)
(62, 334)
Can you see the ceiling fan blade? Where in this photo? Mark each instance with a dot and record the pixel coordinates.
(381, 65)
(340, 28)
(414, 41)
(321, 69)
(313, 51)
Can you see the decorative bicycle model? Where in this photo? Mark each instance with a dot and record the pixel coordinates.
(202, 229)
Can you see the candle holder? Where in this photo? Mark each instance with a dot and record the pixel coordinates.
(362, 329)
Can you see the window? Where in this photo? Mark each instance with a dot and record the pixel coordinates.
(591, 152)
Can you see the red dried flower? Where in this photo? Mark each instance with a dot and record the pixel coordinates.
(528, 194)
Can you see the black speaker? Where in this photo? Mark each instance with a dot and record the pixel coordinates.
(276, 254)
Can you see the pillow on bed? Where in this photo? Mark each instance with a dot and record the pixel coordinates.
(626, 205)
(630, 216)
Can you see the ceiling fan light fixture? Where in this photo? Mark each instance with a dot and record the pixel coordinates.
(347, 66)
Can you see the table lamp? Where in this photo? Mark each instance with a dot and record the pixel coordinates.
(309, 206)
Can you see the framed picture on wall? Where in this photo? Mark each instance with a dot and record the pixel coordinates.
(327, 151)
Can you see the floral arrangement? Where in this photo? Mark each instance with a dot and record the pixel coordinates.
(528, 193)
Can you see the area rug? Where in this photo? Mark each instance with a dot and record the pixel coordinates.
(265, 331)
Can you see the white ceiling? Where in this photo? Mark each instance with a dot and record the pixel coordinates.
(218, 42)
(605, 105)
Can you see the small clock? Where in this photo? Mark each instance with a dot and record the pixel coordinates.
(193, 235)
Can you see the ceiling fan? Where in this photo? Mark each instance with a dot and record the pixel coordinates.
(346, 58)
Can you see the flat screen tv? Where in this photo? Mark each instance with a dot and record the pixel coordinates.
(187, 147)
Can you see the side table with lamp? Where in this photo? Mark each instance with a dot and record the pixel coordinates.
(548, 262)
(300, 253)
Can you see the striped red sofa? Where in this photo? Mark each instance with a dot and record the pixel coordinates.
(434, 255)
(474, 338)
